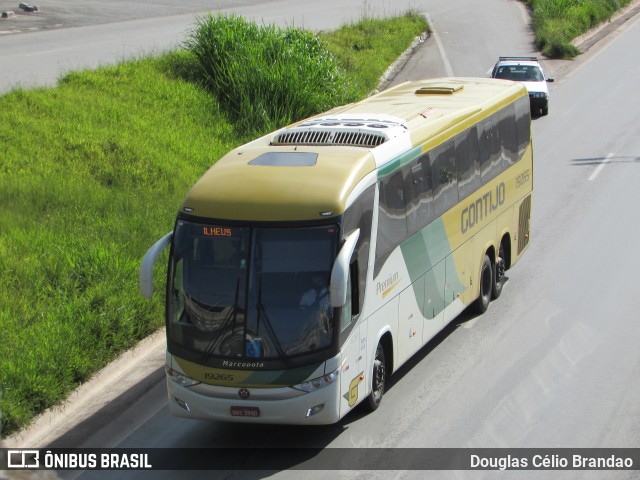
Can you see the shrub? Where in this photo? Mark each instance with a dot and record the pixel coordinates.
(263, 76)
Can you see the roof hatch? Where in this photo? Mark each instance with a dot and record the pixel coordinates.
(439, 89)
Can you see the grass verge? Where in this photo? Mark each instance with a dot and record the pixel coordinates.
(557, 23)
(365, 50)
(93, 171)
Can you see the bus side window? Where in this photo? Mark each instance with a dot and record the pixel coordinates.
(360, 215)
(419, 195)
(392, 224)
(523, 124)
(443, 174)
(490, 152)
(351, 308)
(468, 162)
(353, 288)
(508, 136)
(350, 312)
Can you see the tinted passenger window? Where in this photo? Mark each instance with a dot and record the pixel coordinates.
(392, 224)
(443, 172)
(419, 195)
(468, 162)
(490, 151)
(523, 124)
(508, 136)
(360, 215)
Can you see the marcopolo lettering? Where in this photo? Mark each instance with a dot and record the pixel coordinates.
(482, 207)
(241, 364)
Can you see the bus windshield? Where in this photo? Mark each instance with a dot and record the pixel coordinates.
(250, 293)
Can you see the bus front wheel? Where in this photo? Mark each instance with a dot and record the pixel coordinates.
(378, 380)
(486, 285)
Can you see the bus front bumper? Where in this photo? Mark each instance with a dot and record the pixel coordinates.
(263, 405)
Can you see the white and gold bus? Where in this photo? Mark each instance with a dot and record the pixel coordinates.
(308, 265)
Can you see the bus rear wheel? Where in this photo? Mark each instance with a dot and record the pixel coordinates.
(378, 380)
(486, 285)
(499, 274)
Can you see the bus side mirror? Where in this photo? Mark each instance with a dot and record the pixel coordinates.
(340, 271)
(146, 267)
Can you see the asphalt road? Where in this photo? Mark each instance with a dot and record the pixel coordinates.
(554, 362)
(36, 49)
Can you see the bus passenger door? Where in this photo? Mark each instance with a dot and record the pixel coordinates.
(352, 386)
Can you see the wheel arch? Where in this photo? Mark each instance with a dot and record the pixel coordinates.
(505, 241)
(387, 344)
(490, 251)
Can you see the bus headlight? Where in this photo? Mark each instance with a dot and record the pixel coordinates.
(180, 378)
(317, 383)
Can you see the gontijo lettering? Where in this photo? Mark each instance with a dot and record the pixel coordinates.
(482, 207)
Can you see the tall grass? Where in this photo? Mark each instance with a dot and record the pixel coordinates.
(557, 22)
(264, 76)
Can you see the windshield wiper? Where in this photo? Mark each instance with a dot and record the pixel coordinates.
(262, 312)
(228, 322)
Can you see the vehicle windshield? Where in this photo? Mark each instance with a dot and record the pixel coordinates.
(520, 73)
(250, 293)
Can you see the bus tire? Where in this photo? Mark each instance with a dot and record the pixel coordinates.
(378, 380)
(486, 285)
(499, 270)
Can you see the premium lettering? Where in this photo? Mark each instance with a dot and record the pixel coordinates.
(381, 287)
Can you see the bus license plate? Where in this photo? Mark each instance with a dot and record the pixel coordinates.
(245, 411)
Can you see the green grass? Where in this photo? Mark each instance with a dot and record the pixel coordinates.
(92, 173)
(557, 23)
(365, 51)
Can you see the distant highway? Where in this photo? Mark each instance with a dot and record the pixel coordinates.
(38, 58)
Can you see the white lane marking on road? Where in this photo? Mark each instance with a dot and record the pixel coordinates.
(597, 171)
(436, 37)
(524, 13)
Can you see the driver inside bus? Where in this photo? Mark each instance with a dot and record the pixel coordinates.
(317, 295)
(316, 299)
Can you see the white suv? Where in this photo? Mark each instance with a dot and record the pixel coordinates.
(528, 71)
